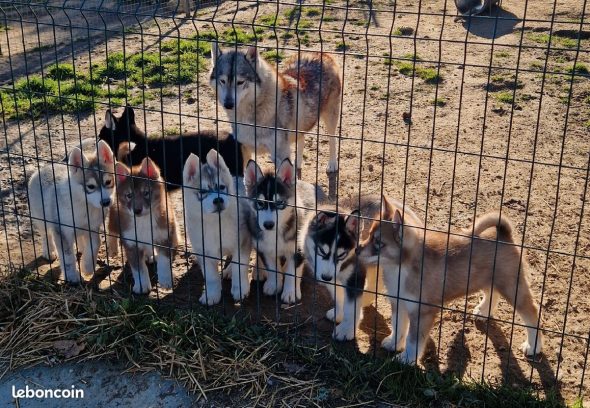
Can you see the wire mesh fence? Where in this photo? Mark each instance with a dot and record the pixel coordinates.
(461, 139)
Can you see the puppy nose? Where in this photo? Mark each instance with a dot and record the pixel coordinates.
(105, 202)
(326, 278)
(137, 211)
(268, 224)
(218, 201)
(228, 105)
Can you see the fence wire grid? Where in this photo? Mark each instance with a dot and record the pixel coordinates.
(449, 116)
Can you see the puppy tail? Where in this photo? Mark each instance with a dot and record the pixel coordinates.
(493, 219)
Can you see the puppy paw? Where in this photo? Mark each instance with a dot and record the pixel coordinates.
(210, 296)
(332, 166)
(408, 356)
(113, 251)
(165, 280)
(331, 316)
(290, 296)
(142, 289)
(343, 332)
(270, 287)
(480, 311)
(238, 293)
(531, 351)
(391, 343)
(49, 256)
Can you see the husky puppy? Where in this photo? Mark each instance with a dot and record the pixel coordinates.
(169, 153)
(66, 201)
(270, 108)
(485, 259)
(144, 220)
(279, 207)
(216, 223)
(329, 240)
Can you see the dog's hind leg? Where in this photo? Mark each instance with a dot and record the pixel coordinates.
(488, 305)
(240, 282)
(330, 117)
(48, 246)
(64, 243)
(300, 146)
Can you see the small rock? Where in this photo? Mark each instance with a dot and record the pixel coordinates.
(407, 118)
(370, 167)
(191, 100)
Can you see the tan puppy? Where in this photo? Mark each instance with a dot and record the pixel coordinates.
(408, 255)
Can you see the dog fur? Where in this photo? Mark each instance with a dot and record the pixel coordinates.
(216, 223)
(272, 109)
(329, 240)
(67, 203)
(144, 220)
(466, 261)
(169, 153)
(279, 207)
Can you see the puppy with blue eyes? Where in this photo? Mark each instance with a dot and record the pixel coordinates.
(216, 224)
(278, 208)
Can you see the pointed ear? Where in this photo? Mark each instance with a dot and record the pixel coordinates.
(397, 225)
(324, 218)
(252, 55)
(353, 222)
(215, 52)
(76, 159)
(387, 210)
(192, 167)
(110, 122)
(104, 152)
(252, 174)
(128, 116)
(286, 172)
(214, 159)
(121, 172)
(149, 169)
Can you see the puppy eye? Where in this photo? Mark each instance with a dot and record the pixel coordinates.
(222, 81)
(107, 183)
(342, 256)
(322, 253)
(281, 205)
(378, 244)
(146, 194)
(129, 196)
(240, 83)
(90, 187)
(219, 188)
(260, 205)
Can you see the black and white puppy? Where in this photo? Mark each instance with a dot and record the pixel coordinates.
(279, 207)
(131, 145)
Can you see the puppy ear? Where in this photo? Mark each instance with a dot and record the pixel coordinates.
(252, 55)
(397, 225)
(387, 210)
(192, 167)
(324, 218)
(76, 160)
(214, 159)
(286, 172)
(128, 116)
(252, 174)
(104, 152)
(110, 122)
(149, 169)
(121, 172)
(353, 222)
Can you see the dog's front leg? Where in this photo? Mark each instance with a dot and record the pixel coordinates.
(91, 244)
(352, 314)
(280, 147)
(274, 277)
(337, 291)
(240, 283)
(212, 290)
(141, 277)
(64, 243)
(421, 321)
(292, 286)
(400, 322)
(164, 260)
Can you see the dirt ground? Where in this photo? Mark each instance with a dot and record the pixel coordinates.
(460, 157)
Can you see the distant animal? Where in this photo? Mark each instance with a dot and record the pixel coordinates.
(270, 109)
(144, 221)
(475, 7)
(329, 239)
(279, 206)
(427, 269)
(169, 153)
(217, 225)
(67, 201)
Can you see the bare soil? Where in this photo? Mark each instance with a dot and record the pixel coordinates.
(461, 157)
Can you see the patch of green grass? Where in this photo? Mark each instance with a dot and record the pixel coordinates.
(273, 55)
(312, 11)
(304, 24)
(292, 13)
(428, 75)
(537, 66)
(505, 97)
(147, 334)
(556, 40)
(269, 20)
(502, 54)
(61, 72)
(375, 88)
(403, 31)
(440, 102)
(579, 69)
(341, 46)
(287, 35)
(238, 36)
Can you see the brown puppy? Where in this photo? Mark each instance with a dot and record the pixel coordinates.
(485, 259)
(144, 220)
